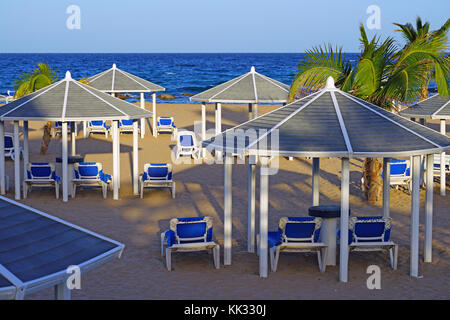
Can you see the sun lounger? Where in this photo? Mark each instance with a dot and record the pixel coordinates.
(126, 126)
(400, 173)
(98, 126)
(57, 128)
(157, 175)
(372, 234)
(187, 145)
(297, 234)
(437, 164)
(189, 234)
(165, 124)
(9, 146)
(41, 174)
(90, 174)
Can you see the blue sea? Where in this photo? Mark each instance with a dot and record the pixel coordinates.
(178, 72)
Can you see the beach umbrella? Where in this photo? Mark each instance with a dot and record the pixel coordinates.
(68, 101)
(115, 81)
(329, 123)
(435, 107)
(251, 87)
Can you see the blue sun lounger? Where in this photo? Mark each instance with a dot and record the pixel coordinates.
(41, 174)
(165, 124)
(157, 175)
(90, 174)
(189, 234)
(297, 234)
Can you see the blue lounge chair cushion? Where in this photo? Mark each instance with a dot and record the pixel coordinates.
(295, 230)
(186, 141)
(8, 142)
(43, 172)
(166, 121)
(126, 122)
(365, 230)
(87, 169)
(189, 230)
(157, 172)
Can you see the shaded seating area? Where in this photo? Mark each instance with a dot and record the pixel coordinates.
(90, 174)
(29, 262)
(69, 101)
(187, 145)
(187, 235)
(372, 234)
(41, 174)
(115, 80)
(166, 124)
(157, 175)
(336, 124)
(297, 234)
(98, 126)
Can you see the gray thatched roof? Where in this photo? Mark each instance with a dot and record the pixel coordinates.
(116, 80)
(330, 123)
(251, 87)
(36, 249)
(70, 100)
(435, 107)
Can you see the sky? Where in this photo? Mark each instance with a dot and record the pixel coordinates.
(156, 26)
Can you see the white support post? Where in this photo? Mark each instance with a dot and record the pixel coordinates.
(143, 119)
(219, 118)
(250, 111)
(228, 212)
(429, 209)
(215, 118)
(135, 158)
(64, 163)
(386, 187)
(263, 218)
(26, 149)
(115, 127)
(415, 207)
(315, 181)
(155, 133)
(2, 159)
(443, 178)
(345, 194)
(251, 205)
(73, 138)
(16, 160)
(255, 110)
(62, 292)
(84, 129)
(203, 127)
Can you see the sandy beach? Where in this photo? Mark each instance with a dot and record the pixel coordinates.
(141, 272)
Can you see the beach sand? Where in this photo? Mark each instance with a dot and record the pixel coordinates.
(141, 272)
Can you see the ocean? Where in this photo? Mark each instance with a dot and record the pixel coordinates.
(179, 73)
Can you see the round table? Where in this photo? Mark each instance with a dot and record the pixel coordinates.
(70, 161)
(329, 215)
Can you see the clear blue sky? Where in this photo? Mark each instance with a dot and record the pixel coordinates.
(201, 25)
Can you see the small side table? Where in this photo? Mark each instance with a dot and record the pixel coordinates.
(70, 161)
(329, 215)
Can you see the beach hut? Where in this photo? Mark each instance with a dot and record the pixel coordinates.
(29, 262)
(69, 101)
(251, 87)
(435, 107)
(329, 123)
(115, 81)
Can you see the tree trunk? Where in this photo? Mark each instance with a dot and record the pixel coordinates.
(46, 138)
(372, 186)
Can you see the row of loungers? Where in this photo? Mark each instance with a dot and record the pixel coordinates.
(164, 124)
(90, 174)
(294, 234)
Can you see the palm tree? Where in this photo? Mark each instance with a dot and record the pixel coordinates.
(34, 80)
(438, 61)
(383, 75)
